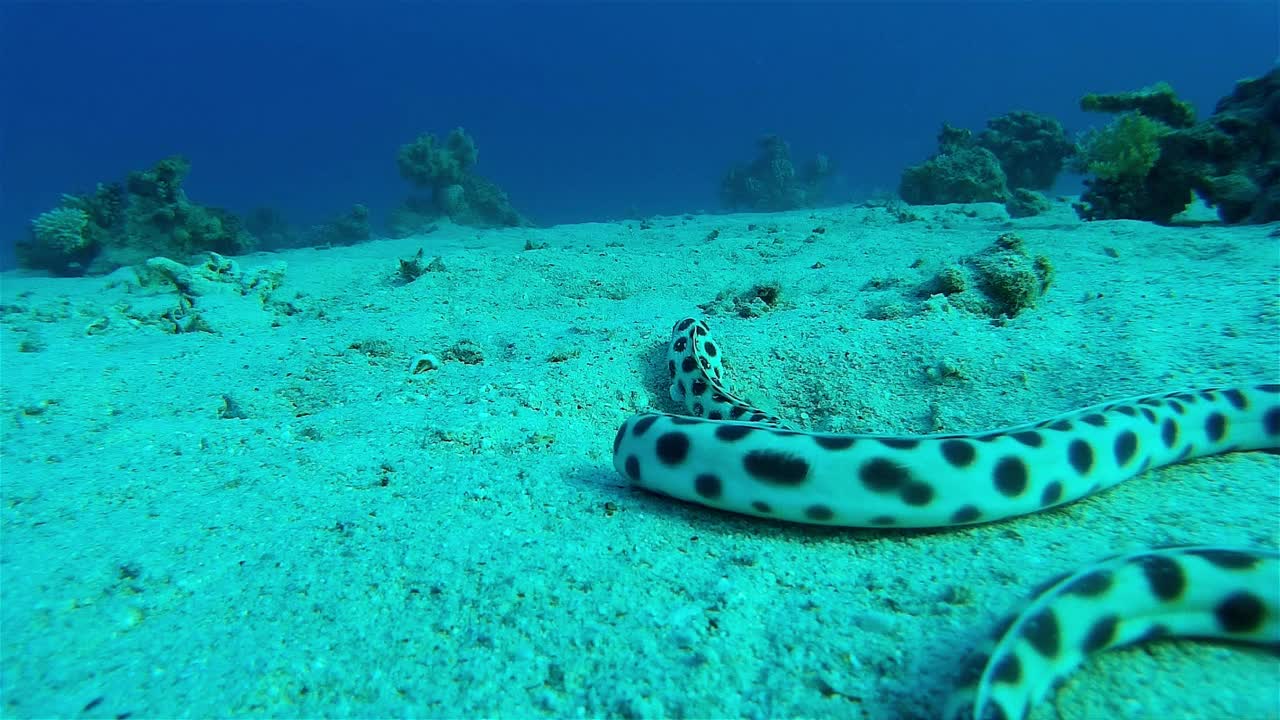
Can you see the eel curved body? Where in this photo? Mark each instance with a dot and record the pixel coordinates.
(729, 455)
(1194, 591)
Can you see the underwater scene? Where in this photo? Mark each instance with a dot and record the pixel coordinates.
(888, 361)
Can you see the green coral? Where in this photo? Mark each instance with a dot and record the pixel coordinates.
(1127, 148)
(1145, 164)
(1130, 176)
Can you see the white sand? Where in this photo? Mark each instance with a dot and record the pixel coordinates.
(456, 543)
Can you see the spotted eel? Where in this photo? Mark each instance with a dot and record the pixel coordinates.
(728, 454)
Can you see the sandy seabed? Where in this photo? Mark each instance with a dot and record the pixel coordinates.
(273, 514)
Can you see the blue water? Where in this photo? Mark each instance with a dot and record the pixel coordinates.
(580, 110)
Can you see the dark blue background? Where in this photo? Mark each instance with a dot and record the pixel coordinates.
(581, 110)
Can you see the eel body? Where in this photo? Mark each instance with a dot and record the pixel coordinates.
(1213, 592)
(729, 455)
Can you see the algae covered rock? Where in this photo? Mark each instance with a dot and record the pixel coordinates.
(1000, 282)
(1010, 277)
(960, 172)
(1032, 148)
(1026, 203)
(1017, 150)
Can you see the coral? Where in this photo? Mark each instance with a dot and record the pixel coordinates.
(1148, 162)
(950, 138)
(60, 242)
(1121, 157)
(999, 282)
(162, 183)
(62, 229)
(949, 281)
(1158, 102)
(105, 206)
(959, 173)
(1233, 157)
(72, 251)
(456, 192)
(771, 182)
(273, 232)
(1237, 197)
(1133, 199)
(160, 220)
(148, 216)
(427, 164)
(1016, 150)
(1126, 149)
(1031, 148)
